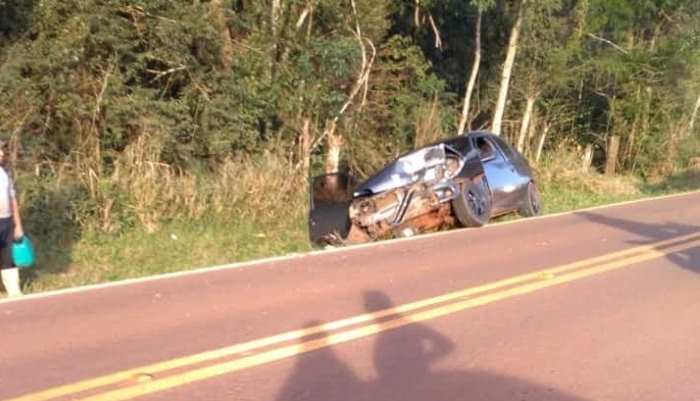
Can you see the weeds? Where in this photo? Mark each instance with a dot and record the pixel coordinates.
(248, 187)
(565, 186)
(146, 217)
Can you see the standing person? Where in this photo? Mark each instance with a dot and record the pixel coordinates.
(10, 228)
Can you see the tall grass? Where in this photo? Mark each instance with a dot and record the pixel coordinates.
(146, 217)
(140, 191)
(263, 187)
(565, 186)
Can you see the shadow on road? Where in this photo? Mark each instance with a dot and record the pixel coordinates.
(687, 259)
(404, 360)
(320, 375)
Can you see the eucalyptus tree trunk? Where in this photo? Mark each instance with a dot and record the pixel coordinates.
(543, 138)
(472, 79)
(275, 15)
(629, 153)
(531, 133)
(613, 151)
(335, 144)
(580, 17)
(335, 140)
(587, 158)
(218, 12)
(691, 125)
(274, 31)
(526, 122)
(305, 145)
(307, 14)
(646, 117)
(416, 14)
(508, 70)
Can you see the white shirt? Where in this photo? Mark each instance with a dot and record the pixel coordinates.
(7, 193)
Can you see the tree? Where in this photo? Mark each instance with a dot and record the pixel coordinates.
(481, 7)
(508, 68)
(547, 49)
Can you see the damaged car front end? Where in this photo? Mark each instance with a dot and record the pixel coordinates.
(430, 188)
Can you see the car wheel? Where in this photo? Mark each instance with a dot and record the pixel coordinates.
(531, 205)
(473, 207)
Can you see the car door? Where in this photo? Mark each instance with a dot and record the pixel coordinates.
(330, 197)
(522, 168)
(502, 176)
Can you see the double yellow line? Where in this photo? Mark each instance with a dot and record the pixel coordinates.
(133, 383)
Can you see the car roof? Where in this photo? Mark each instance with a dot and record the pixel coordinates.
(468, 135)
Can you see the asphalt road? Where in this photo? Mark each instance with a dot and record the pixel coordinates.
(595, 305)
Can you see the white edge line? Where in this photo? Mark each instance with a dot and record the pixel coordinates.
(293, 256)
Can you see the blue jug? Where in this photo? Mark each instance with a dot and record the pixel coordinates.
(23, 252)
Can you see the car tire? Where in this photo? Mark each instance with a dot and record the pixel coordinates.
(473, 206)
(531, 205)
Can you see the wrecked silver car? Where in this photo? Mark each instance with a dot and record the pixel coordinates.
(465, 180)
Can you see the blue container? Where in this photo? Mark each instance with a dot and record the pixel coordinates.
(23, 252)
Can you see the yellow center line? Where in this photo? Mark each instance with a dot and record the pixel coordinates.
(405, 315)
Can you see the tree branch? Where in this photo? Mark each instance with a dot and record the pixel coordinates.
(302, 17)
(161, 74)
(438, 39)
(615, 46)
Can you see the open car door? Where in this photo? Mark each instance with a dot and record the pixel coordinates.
(329, 198)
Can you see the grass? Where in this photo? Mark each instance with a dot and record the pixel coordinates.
(176, 246)
(560, 197)
(565, 188)
(589, 190)
(93, 256)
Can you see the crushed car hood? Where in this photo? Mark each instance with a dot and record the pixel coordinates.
(403, 171)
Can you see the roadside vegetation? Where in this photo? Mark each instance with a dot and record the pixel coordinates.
(154, 136)
(210, 239)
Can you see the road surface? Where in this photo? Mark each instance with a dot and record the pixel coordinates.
(601, 304)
